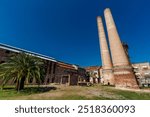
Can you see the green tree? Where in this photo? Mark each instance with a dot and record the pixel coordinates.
(20, 68)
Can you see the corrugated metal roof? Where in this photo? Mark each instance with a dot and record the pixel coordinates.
(17, 50)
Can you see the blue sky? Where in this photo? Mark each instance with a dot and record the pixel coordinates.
(67, 29)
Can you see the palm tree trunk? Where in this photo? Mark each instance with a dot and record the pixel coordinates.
(20, 84)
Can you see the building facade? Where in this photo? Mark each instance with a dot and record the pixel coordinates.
(142, 72)
(95, 74)
(56, 71)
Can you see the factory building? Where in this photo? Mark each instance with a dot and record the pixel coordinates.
(56, 71)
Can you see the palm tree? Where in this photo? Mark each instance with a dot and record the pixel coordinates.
(20, 68)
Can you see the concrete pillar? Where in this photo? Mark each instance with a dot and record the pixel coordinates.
(105, 55)
(123, 72)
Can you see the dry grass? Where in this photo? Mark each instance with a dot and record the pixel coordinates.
(62, 92)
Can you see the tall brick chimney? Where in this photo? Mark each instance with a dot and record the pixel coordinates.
(123, 72)
(108, 77)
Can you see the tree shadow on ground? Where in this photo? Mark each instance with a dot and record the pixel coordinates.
(38, 89)
(31, 89)
(8, 88)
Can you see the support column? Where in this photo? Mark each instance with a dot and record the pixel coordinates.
(108, 77)
(51, 73)
(47, 77)
(123, 72)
